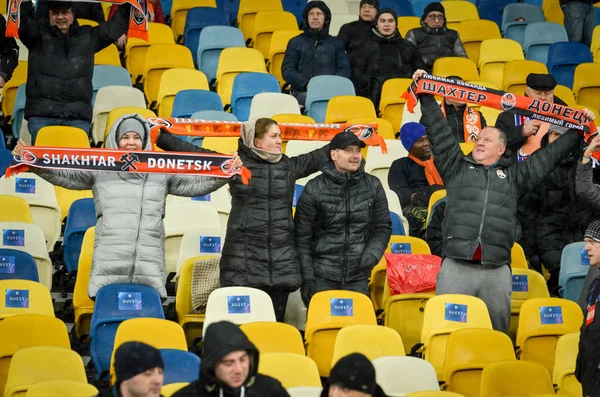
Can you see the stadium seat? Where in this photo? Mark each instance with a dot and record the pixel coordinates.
(433, 394)
(18, 111)
(111, 97)
(457, 11)
(37, 364)
(169, 390)
(516, 17)
(279, 42)
(13, 208)
(266, 23)
(516, 72)
(82, 216)
(180, 366)
(61, 389)
(373, 341)
(119, 112)
(232, 62)
(572, 271)
(391, 104)
(187, 102)
(109, 75)
(273, 337)
(114, 304)
(541, 322)
(108, 56)
(18, 265)
(299, 147)
(282, 118)
(267, 104)
(179, 12)
(586, 84)
(25, 297)
(473, 31)
(295, 8)
(563, 376)
(245, 87)
(595, 47)
(455, 66)
(171, 82)
(247, 14)
(447, 313)
(83, 306)
(26, 330)
(231, 8)
(292, 370)
(493, 55)
(434, 198)
(200, 242)
(340, 20)
(305, 391)
(342, 108)
(136, 49)
(62, 136)
(321, 89)
(213, 40)
(566, 94)
(197, 19)
(406, 23)
(29, 238)
(9, 91)
(328, 312)
(538, 38)
(506, 378)
(492, 10)
(469, 351)
(220, 199)
(554, 14)
(526, 284)
(518, 259)
(563, 58)
(378, 163)
(399, 376)
(407, 245)
(219, 115)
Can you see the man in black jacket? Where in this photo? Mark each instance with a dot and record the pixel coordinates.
(353, 34)
(61, 63)
(9, 54)
(480, 219)
(342, 222)
(229, 367)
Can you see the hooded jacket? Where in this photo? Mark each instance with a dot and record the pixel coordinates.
(314, 53)
(342, 225)
(221, 339)
(587, 368)
(130, 207)
(481, 201)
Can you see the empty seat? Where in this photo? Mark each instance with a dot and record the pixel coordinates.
(572, 271)
(595, 47)
(18, 265)
(270, 337)
(200, 242)
(279, 42)
(108, 56)
(136, 49)
(197, 19)
(539, 36)
(566, 94)
(391, 105)
(506, 378)
(473, 31)
(232, 62)
(180, 366)
(220, 199)
(586, 84)
(455, 66)
(13, 208)
(292, 118)
(248, 10)
(173, 81)
(245, 87)
(399, 376)
(321, 89)
(82, 216)
(292, 370)
(516, 17)
(516, 72)
(107, 75)
(179, 12)
(9, 91)
(25, 297)
(160, 57)
(378, 163)
(266, 23)
(563, 58)
(401, 7)
(457, 11)
(267, 104)
(111, 97)
(493, 55)
(493, 10)
(61, 389)
(563, 376)
(342, 108)
(406, 23)
(213, 40)
(371, 340)
(340, 20)
(187, 102)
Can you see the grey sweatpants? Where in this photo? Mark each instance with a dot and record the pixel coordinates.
(493, 285)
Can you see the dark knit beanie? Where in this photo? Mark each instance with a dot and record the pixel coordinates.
(134, 358)
(431, 7)
(386, 11)
(374, 3)
(354, 372)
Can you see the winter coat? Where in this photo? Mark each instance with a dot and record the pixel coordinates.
(314, 53)
(353, 35)
(434, 228)
(456, 120)
(259, 246)
(130, 207)
(60, 67)
(90, 11)
(9, 53)
(482, 201)
(587, 369)
(343, 226)
(436, 43)
(221, 339)
(407, 177)
(382, 58)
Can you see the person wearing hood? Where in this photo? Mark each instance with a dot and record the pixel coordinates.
(385, 55)
(130, 207)
(353, 376)
(229, 367)
(433, 39)
(343, 224)
(259, 246)
(314, 52)
(353, 34)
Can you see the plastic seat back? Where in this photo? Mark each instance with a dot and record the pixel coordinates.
(187, 102)
(371, 340)
(516, 72)
(267, 104)
(342, 108)
(292, 370)
(399, 376)
(61, 389)
(516, 377)
(457, 11)
(111, 97)
(232, 62)
(268, 22)
(573, 269)
(179, 12)
(9, 91)
(197, 19)
(567, 349)
(136, 49)
(171, 82)
(245, 87)
(512, 25)
(538, 38)
(270, 337)
(247, 14)
(279, 42)
(108, 56)
(83, 306)
(563, 58)
(586, 85)
(180, 366)
(200, 242)
(18, 111)
(321, 89)
(18, 265)
(473, 31)
(454, 66)
(493, 55)
(159, 58)
(213, 40)
(13, 208)
(391, 104)
(82, 216)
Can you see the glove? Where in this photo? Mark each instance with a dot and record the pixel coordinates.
(307, 291)
(421, 199)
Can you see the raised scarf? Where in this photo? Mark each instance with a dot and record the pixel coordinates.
(471, 122)
(431, 172)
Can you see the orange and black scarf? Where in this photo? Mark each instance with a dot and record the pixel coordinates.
(431, 172)
(471, 122)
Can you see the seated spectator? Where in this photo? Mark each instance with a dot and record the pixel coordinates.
(314, 52)
(352, 376)
(229, 367)
(139, 370)
(88, 10)
(415, 177)
(464, 121)
(342, 222)
(61, 63)
(353, 34)
(156, 15)
(433, 39)
(385, 55)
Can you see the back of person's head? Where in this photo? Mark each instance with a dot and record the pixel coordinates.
(352, 375)
(138, 370)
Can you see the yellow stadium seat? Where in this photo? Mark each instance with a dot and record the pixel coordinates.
(66, 197)
(466, 147)
(391, 104)
(24, 297)
(515, 378)
(473, 31)
(491, 115)
(408, 245)
(279, 42)
(586, 84)
(26, 330)
(328, 312)
(9, 91)
(554, 14)
(527, 284)
(447, 313)
(14, 209)
(564, 368)
(518, 258)
(493, 55)
(433, 394)
(268, 22)
(170, 389)
(159, 58)
(61, 136)
(292, 370)
(566, 94)
(136, 49)
(271, 337)
(117, 113)
(293, 118)
(32, 365)
(455, 66)
(342, 108)
(235, 60)
(376, 283)
(86, 22)
(516, 72)
(541, 322)
(223, 145)
(248, 10)
(469, 351)
(108, 56)
(373, 341)
(179, 11)
(62, 389)
(593, 110)
(173, 81)
(106, 9)
(434, 198)
(457, 11)
(83, 306)
(595, 47)
(407, 23)
(384, 127)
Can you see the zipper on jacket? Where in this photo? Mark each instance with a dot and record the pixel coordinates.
(346, 237)
(269, 227)
(137, 238)
(487, 191)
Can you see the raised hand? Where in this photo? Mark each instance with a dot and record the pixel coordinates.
(18, 150)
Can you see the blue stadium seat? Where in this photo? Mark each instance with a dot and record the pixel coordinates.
(187, 102)
(116, 303)
(82, 216)
(538, 3)
(166, 6)
(419, 6)
(492, 10)
(209, 115)
(596, 16)
(572, 271)
(321, 89)
(2, 143)
(17, 265)
(514, 30)
(105, 75)
(298, 189)
(18, 111)
(397, 225)
(245, 86)
(231, 7)
(295, 7)
(5, 159)
(539, 36)
(564, 57)
(197, 19)
(213, 40)
(402, 7)
(180, 366)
